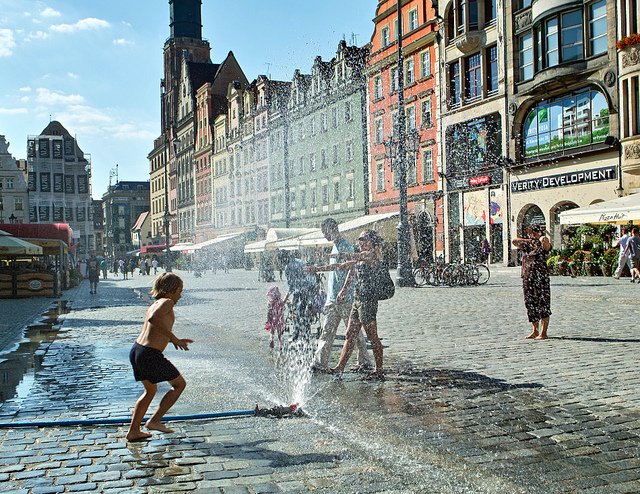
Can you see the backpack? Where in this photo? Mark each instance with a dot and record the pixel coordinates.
(378, 284)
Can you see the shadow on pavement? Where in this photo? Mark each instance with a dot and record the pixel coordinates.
(596, 339)
(456, 379)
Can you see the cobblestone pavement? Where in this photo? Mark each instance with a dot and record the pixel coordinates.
(468, 406)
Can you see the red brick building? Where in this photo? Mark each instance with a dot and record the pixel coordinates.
(419, 74)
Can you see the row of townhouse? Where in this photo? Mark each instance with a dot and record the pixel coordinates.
(518, 110)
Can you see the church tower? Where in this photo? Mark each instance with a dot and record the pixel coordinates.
(185, 40)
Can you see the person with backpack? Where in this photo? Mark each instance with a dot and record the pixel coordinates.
(337, 309)
(372, 283)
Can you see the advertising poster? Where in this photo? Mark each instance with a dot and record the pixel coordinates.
(58, 182)
(81, 214)
(69, 149)
(68, 213)
(45, 182)
(58, 214)
(33, 214)
(43, 148)
(32, 182)
(43, 212)
(57, 149)
(83, 184)
(496, 206)
(69, 186)
(31, 148)
(475, 205)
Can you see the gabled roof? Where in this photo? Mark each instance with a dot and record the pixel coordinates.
(55, 128)
(201, 73)
(140, 221)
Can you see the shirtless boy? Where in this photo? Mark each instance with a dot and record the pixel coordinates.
(149, 364)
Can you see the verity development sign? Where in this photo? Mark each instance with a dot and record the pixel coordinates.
(565, 179)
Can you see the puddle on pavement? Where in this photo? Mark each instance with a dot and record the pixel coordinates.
(18, 366)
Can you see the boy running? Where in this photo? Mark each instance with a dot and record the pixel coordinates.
(149, 364)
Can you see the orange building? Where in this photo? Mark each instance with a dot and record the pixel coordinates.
(419, 26)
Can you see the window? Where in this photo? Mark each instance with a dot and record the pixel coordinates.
(473, 77)
(411, 117)
(393, 74)
(348, 115)
(335, 154)
(473, 14)
(9, 183)
(410, 75)
(292, 200)
(301, 168)
(490, 11)
(425, 64)
(571, 36)
(323, 122)
(454, 84)
(377, 87)
(395, 30)
(323, 158)
(576, 119)
(413, 19)
(380, 176)
(525, 52)
(334, 117)
(384, 36)
(492, 69)
(351, 189)
(325, 194)
(597, 27)
(379, 123)
(411, 170)
(462, 11)
(336, 192)
(303, 198)
(349, 150)
(314, 197)
(473, 146)
(427, 166)
(312, 162)
(426, 113)
(18, 204)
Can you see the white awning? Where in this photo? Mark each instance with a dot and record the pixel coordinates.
(621, 210)
(184, 246)
(215, 242)
(348, 228)
(255, 247)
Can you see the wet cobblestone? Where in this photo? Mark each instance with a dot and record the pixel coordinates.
(480, 409)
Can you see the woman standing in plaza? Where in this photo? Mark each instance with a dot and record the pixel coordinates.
(535, 247)
(365, 308)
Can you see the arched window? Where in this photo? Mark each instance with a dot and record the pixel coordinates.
(576, 119)
(533, 216)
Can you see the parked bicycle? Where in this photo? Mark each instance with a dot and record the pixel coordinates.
(455, 273)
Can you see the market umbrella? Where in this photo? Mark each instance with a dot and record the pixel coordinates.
(12, 246)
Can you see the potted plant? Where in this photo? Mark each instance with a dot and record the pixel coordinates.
(591, 268)
(609, 261)
(574, 267)
(562, 266)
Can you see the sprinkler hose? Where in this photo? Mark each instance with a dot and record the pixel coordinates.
(122, 420)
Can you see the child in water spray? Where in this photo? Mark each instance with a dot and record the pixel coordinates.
(275, 315)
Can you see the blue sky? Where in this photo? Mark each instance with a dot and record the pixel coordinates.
(95, 65)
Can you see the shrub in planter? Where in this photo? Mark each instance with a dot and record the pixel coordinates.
(552, 264)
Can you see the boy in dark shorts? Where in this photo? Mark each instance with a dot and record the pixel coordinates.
(149, 364)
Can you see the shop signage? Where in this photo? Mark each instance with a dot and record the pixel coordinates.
(481, 180)
(565, 179)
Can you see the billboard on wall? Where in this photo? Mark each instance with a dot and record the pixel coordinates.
(45, 182)
(43, 148)
(43, 212)
(56, 147)
(83, 184)
(69, 149)
(58, 213)
(31, 182)
(31, 148)
(69, 186)
(58, 182)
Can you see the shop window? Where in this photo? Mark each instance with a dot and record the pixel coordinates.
(576, 119)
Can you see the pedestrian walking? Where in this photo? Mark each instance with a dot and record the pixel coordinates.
(154, 264)
(143, 266)
(485, 251)
(116, 264)
(103, 267)
(339, 300)
(623, 259)
(632, 251)
(364, 311)
(148, 266)
(148, 361)
(132, 265)
(536, 286)
(94, 274)
(275, 316)
(124, 268)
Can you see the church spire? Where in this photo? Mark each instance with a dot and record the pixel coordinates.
(186, 18)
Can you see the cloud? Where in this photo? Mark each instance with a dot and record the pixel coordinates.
(38, 35)
(12, 111)
(49, 12)
(71, 75)
(90, 23)
(7, 43)
(48, 97)
(25, 89)
(131, 132)
(84, 118)
(25, 99)
(121, 42)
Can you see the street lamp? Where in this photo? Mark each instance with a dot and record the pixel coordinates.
(167, 214)
(401, 146)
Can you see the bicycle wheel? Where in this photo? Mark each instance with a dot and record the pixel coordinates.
(420, 275)
(450, 275)
(483, 274)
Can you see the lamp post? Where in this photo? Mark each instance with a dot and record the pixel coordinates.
(398, 146)
(167, 214)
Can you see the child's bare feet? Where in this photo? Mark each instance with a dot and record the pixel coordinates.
(534, 334)
(133, 437)
(541, 337)
(158, 426)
